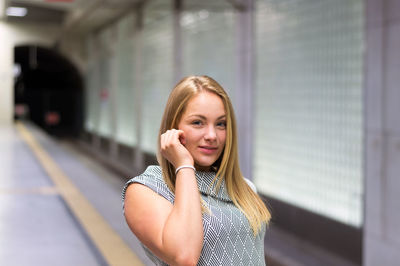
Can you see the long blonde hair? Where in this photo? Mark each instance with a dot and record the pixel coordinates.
(228, 164)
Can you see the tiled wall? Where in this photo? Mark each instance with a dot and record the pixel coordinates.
(308, 105)
(157, 73)
(307, 96)
(209, 46)
(126, 88)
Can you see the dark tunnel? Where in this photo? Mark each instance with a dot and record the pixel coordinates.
(48, 90)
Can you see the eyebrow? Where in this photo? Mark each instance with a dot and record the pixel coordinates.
(203, 117)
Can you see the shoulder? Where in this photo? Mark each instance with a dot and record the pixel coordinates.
(152, 174)
(146, 207)
(154, 170)
(152, 178)
(251, 184)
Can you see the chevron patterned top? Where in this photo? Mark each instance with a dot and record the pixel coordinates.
(228, 238)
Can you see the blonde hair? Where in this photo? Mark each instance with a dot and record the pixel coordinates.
(227, 165)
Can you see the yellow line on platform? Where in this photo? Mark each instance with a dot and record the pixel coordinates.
(112, 247)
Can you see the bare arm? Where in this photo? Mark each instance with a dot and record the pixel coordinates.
(174, 233)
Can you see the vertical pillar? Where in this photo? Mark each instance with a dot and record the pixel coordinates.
(381, 236)
(245, 85)
(6, 76)
(114, 93)
(138, 158)
(178, 52)
(3, 10)
(97, 105)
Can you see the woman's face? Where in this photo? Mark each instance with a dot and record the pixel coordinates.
(204, 126)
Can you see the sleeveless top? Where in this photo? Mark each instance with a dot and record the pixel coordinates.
(228, 237)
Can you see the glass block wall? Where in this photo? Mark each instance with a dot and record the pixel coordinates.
(126, 89)
(104, 110)
(155, 71)
(91, 87)
(157, 67)
(209, 46)
(307, 100)
(308, 105)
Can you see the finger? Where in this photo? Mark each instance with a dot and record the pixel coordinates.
(181, 137)
(168, 137)
(162, 141)
(175, 135)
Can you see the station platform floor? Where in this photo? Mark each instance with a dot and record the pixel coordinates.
(59, 207)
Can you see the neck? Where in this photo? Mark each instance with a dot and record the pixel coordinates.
(202, 168)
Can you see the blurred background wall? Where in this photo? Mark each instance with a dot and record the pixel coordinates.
(307, 108)
(382, 134)
(302, 123)
(314, 85)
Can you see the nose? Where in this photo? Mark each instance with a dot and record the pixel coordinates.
(210, 134)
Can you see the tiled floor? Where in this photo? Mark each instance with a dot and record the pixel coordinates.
(37, 227)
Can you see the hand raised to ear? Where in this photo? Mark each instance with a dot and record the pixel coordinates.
(172, 148)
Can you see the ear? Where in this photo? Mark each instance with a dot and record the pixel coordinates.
(182, 138)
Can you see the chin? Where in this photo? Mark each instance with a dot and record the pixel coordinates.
(205, 163)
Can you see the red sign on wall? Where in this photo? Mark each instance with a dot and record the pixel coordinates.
(104, 94)
(52, 118)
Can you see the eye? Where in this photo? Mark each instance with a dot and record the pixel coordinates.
(221, 124)
(197, 123)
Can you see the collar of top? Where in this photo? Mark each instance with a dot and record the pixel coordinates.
(208, 187)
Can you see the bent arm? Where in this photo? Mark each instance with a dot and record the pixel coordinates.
(174, 233)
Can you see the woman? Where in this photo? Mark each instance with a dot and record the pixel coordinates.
(196, 208)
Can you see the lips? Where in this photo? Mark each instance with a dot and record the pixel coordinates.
(208, 149)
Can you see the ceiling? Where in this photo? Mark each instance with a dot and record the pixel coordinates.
(73, 16)
(83, 16)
